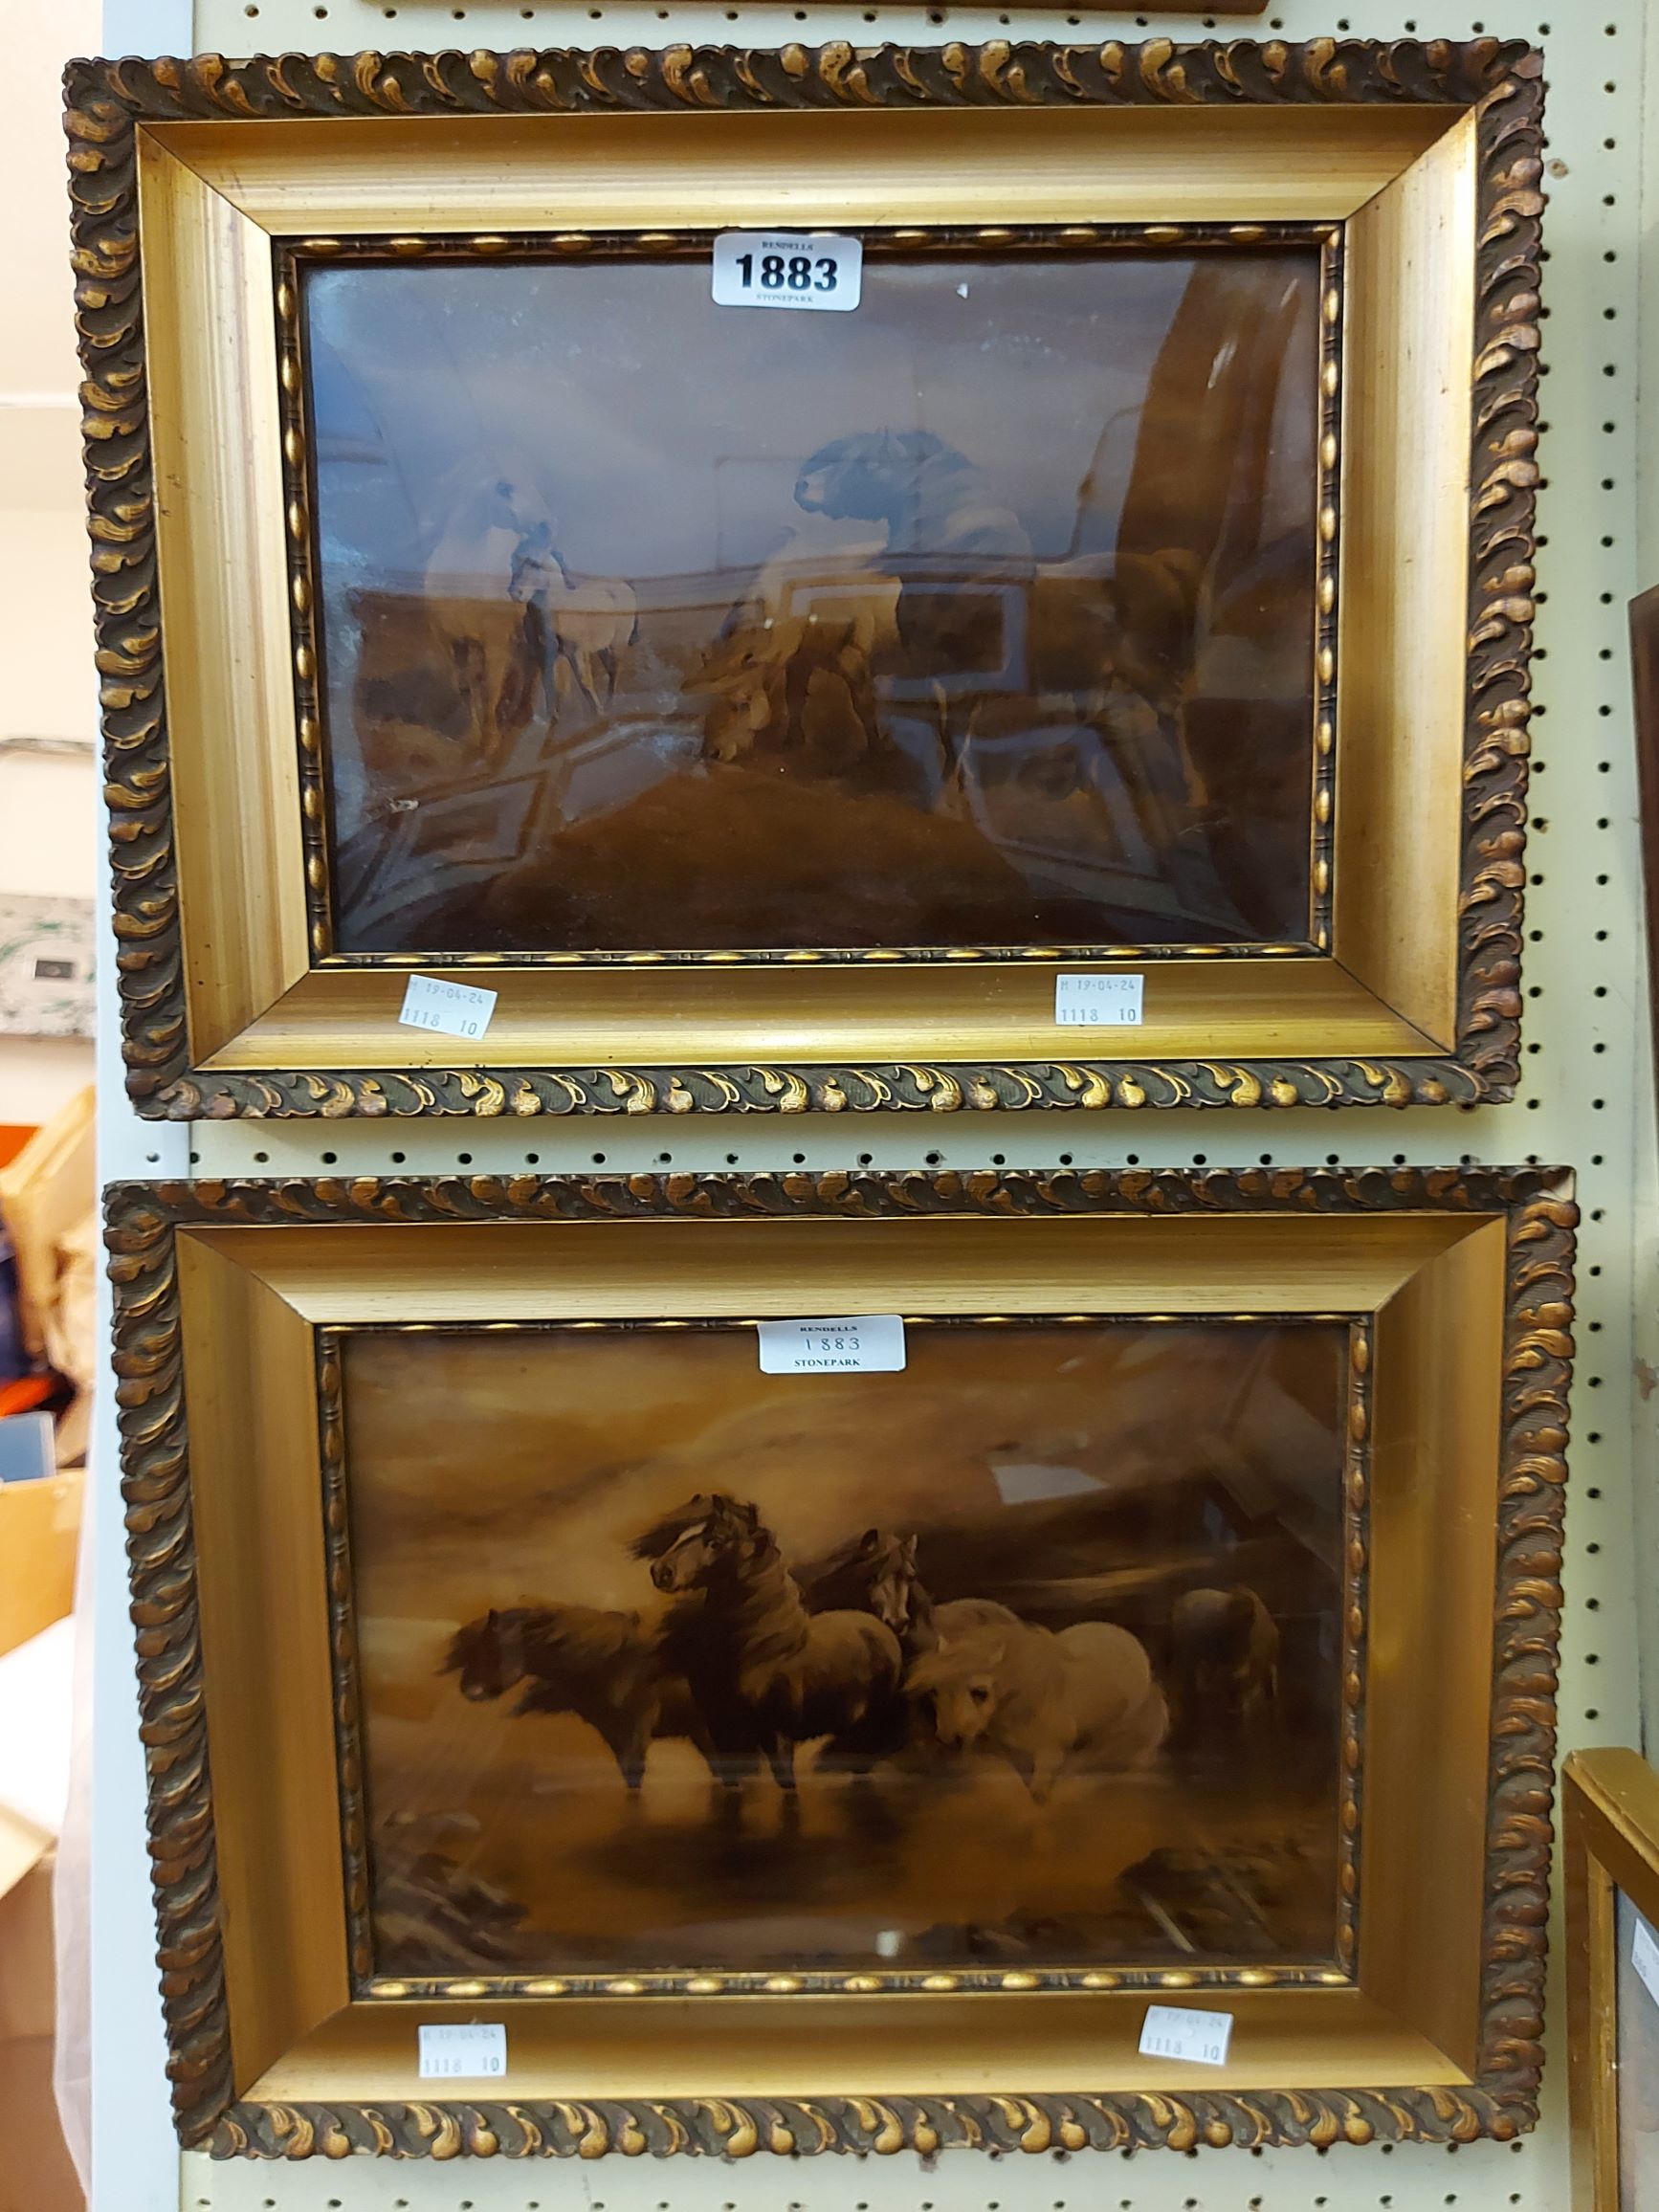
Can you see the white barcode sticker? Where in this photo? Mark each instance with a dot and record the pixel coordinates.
(812, 269)
(1176, 2032)
(1102, 1001)
(451, 1009)
(856, 1344)
(1644, 1957)
(463, 2050)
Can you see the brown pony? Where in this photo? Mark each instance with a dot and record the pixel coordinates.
(878, 1575)
(603, 1666)
(764, 1674)
(1225, 1661)
(873, 1574)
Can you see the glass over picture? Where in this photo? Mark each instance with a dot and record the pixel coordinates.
(1637, 1998)
(669, 1666)
(983, 615)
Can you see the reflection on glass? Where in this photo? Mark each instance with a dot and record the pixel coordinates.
(981, 616)
(667, 1665)
(1638, 1999)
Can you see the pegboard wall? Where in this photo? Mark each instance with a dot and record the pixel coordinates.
(1584, 1101)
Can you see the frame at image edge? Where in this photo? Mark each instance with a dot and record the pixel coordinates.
(1428, 154)
(220, 1292)
(1609, 1843)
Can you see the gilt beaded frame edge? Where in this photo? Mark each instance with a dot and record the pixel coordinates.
(295, 258)
(1501, 81)
(142, 1220)
(370, 1985)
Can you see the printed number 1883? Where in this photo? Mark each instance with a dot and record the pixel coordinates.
(796, 272)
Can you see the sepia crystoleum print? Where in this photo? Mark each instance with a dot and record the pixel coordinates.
(983, 615)
(984, 1665)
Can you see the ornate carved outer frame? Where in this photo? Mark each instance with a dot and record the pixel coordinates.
(1499, 81)
(142, 1221)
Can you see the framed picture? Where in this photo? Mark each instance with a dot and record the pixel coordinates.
(759, 1731)
(1645, 683)
(1104, 621)
(1611, 1851)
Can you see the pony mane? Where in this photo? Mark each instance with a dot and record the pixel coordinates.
(474, 1638)
(574, 1635)
(980, 1653)
(883, 447)
(651, 1542)
(850, 1554)
(853, 1563)
(582, 1638)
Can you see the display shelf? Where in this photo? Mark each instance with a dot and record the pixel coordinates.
(1584, 1066)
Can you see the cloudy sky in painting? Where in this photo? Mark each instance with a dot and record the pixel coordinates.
(492, 1468)
(663, 433)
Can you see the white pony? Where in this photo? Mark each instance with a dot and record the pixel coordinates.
(585, 620)
(1084, 1697)
(495, 542)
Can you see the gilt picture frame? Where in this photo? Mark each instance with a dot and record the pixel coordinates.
(1282, 1661)
(1645, 692)
(888, 927)
(1610, 1864)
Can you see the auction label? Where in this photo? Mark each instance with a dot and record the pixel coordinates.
(451, 1009)
(462, 2050)
(788, 268)
(1104, 1002)
(1174, 2031)
(1644, 1957)
(856, 1344)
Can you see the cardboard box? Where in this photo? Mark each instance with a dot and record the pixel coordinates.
(40, 1528)
(36, 2173)
(39, 1522)
(27, 1974)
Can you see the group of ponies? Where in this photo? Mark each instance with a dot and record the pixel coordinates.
(746, 1665)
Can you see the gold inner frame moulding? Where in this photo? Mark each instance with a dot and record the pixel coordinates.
(513, 1647)
(263, 958)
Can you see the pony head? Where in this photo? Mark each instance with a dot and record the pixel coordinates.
(492, 487)
(688, 1546)
(957, 1687)
(488, 1654)
(871, 477)
(887, 1565)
